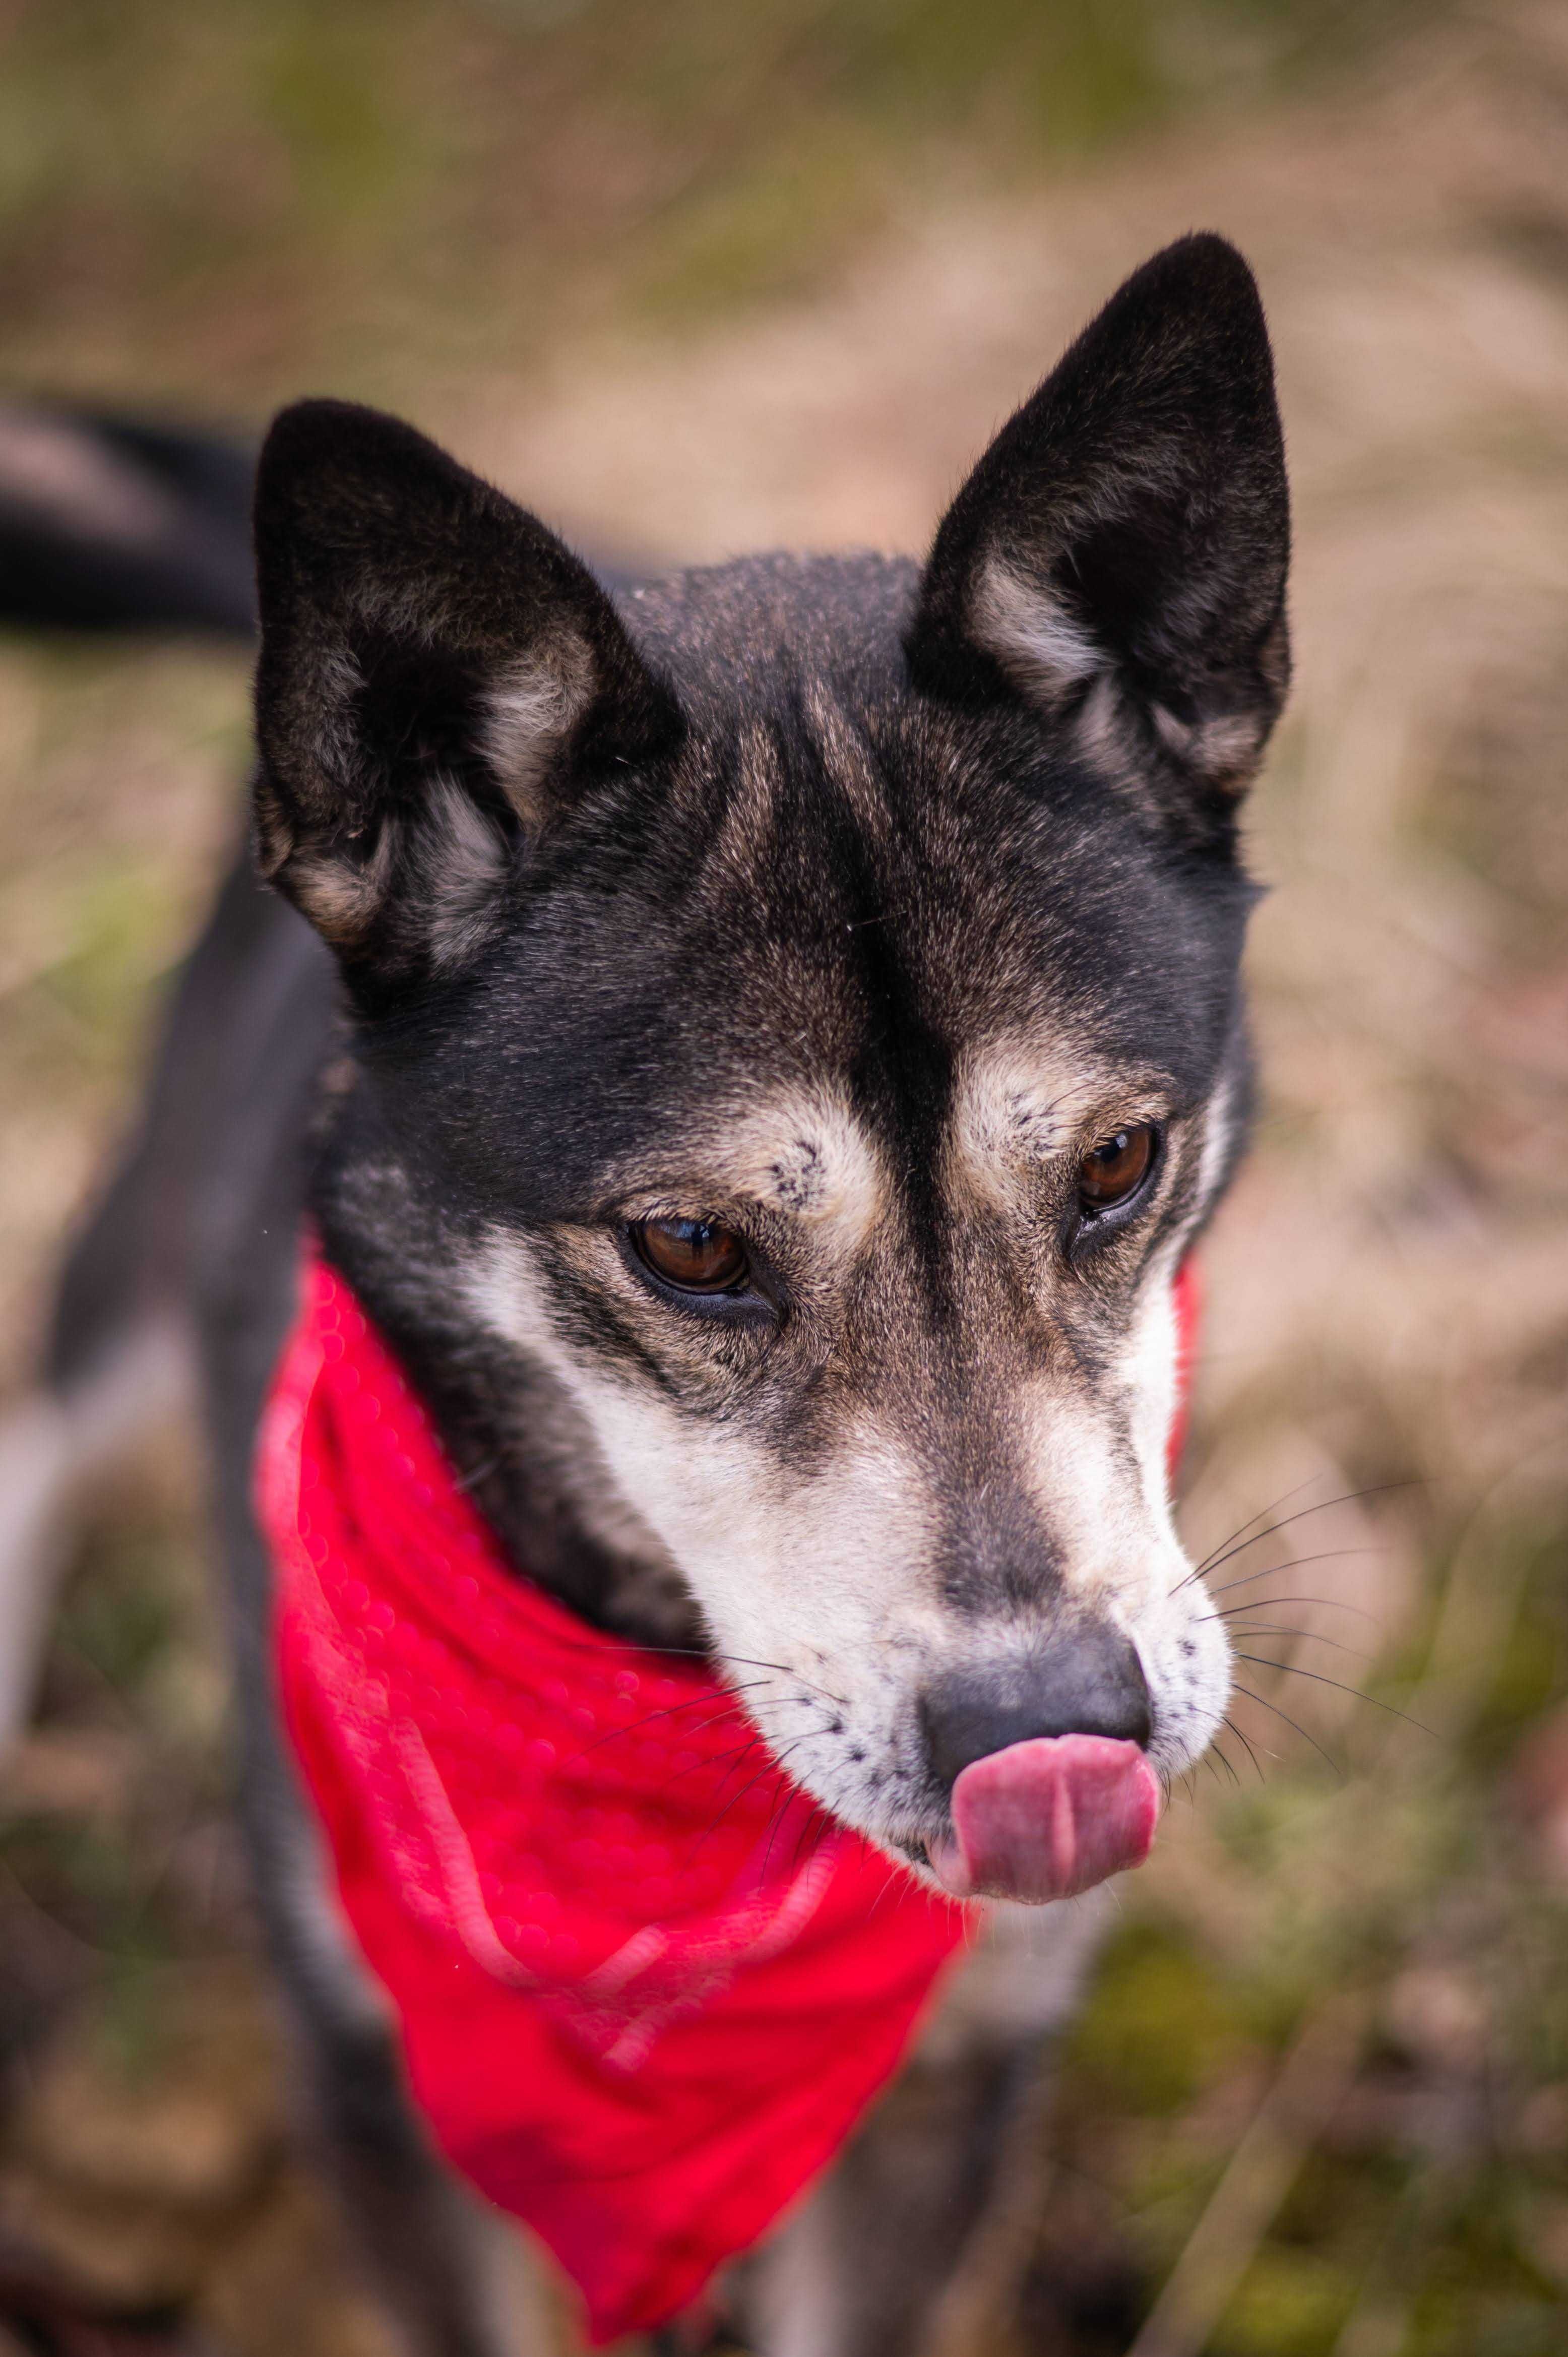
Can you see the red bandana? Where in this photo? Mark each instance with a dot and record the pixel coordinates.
(645, 1987)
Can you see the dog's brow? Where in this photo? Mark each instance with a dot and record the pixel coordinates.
(805, 1154)
(1016, 1103)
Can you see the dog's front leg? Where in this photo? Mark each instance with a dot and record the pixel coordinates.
(437, 2260)
(929, 2214)
(451, 2276)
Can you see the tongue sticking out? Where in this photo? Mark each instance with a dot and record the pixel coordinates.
(1045, 1819)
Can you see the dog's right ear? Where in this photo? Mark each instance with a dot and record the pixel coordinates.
(438, 675)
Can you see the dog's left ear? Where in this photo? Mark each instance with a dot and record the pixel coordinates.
(1118, 558)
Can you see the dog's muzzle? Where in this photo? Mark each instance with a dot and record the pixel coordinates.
(1051, 1789)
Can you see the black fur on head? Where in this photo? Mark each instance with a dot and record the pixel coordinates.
(1119, 555)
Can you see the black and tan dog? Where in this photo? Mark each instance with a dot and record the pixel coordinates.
(760, 1043)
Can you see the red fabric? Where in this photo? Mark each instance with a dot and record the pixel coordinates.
(1188, 1292)
(645, 1987)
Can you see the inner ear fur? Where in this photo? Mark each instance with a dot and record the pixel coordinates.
(438, 674)
(1118, 558)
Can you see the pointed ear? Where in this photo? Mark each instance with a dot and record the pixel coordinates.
(1118, 558)
(438, 675)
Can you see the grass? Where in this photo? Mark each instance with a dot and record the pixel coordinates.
(213, 205)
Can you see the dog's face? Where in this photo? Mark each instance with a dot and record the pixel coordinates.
(796, 1014)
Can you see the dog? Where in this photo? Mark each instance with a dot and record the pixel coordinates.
(760, 1044)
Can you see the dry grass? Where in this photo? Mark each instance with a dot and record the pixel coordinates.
(1321, 2094)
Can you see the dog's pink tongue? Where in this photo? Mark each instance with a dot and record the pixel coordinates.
(1048, 1818)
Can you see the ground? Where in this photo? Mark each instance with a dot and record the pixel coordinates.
(694, 298)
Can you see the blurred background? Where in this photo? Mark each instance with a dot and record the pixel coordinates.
(692, 278)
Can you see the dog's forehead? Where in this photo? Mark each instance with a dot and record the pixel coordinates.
(824, 790)
(729, 635)
(846, 927)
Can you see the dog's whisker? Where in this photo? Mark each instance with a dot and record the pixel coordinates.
(775, 1760)
(787, 1796)
(1347, 1498)
(1275, 1503)
(1292, 1563)
(742, 1661)
(1290, 1670)
(1276, 1629)
(887, 1884)
(718, 1718)
(783, 1668)
(739, 1753)
(807, 1734)
(1263, 1511)
(1241, 1739)
(477, 1473)
(693, 1702)
(795, 1793)
(1334, 1603)
(1264, 1704)
(818, 1824)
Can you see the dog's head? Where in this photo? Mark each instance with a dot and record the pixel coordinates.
(797, 1023)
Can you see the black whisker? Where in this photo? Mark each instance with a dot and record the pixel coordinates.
(1308, 1636)
(1217, 1751)
(709, 1830)
(1347, 1498)
(739, 1753)
(1292, 1563)
(788, 1796)
(881, 1892)
(700, 1726)
(821, 1824)
(1289, 1721)
(742, 1661)
(1290, 1670)
(693, 1702)
(1283, 1500)
(1241, 1740)
(1227, 1611)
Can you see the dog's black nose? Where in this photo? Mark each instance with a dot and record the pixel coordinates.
(1089, 1681)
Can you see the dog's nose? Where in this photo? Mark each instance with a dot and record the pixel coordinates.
(1089, 1681)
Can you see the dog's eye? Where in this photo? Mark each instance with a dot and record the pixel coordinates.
(691, 1253)
(1114, 1170)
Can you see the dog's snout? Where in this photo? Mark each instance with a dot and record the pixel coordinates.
(1089, 1681)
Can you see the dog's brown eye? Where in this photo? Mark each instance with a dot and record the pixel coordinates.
(692, 1253)
(1110, 1172)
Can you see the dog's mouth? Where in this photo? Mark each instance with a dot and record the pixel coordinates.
(1047, 1819)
